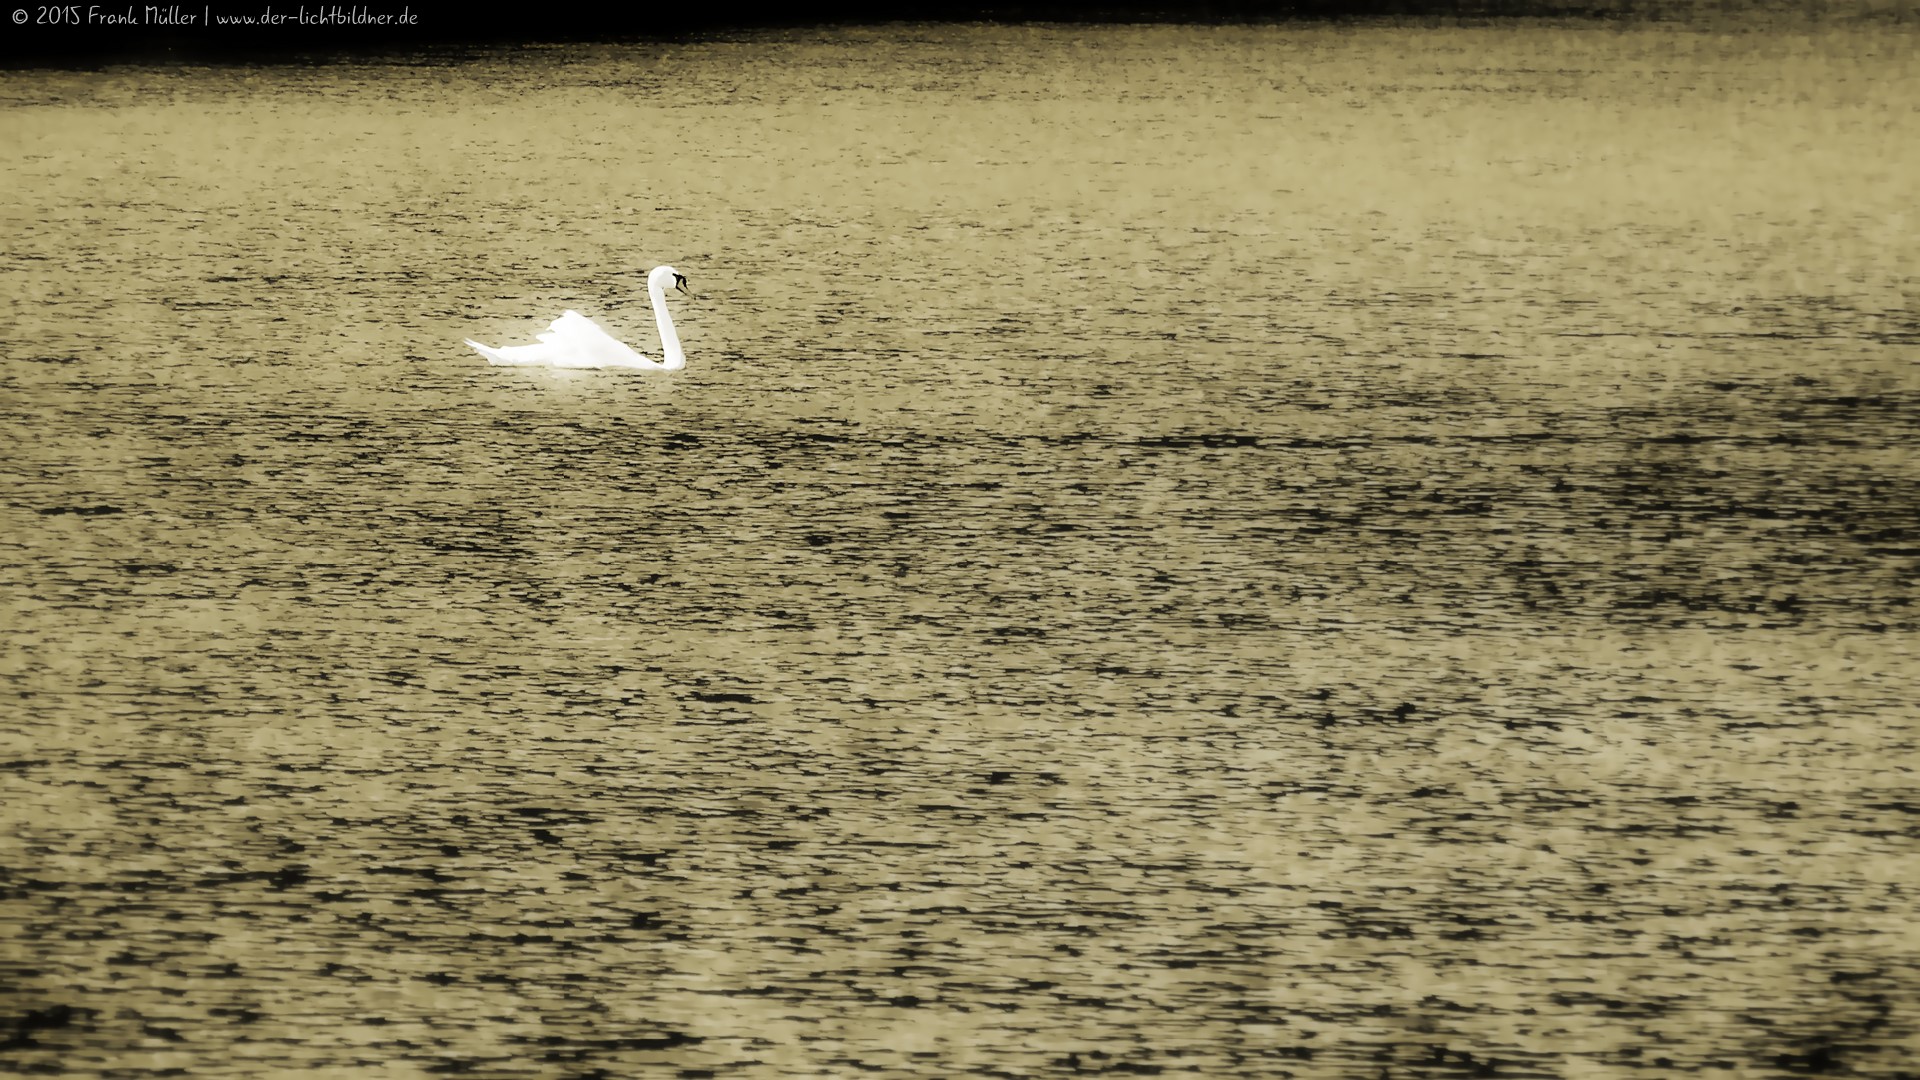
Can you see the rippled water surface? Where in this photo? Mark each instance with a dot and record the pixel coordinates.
(1330, 551)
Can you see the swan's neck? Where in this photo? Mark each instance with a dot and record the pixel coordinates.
(671, 357)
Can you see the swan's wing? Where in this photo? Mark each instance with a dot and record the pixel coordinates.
(571, 341)
(582, 341)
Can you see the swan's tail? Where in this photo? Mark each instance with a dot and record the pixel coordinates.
(492, 354)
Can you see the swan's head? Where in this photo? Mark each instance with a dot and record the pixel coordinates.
(665, 277)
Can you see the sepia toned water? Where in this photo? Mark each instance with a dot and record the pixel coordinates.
(1313, 550)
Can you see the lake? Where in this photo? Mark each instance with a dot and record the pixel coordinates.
(1320, 550)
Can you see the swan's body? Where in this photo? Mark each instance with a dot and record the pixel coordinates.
(575, 341)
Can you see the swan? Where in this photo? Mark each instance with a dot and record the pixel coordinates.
(575, 341)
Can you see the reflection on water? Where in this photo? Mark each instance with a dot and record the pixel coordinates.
(1313, 550)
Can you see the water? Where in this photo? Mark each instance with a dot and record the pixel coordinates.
(1306, 550)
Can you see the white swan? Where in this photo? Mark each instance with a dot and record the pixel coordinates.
(575, 341)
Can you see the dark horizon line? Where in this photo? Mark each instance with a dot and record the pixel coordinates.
(84, 45)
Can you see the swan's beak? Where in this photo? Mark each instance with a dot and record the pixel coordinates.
(680, 283)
